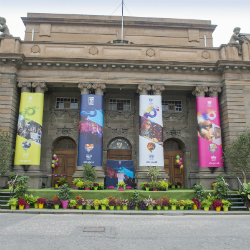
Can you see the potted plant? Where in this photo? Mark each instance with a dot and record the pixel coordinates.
(21, 202)
(121, 185)
(118, 202)
(29, 200)
(112, 205)
(164, 185)
(226, 204)
(199, 193)
(181, 204)
(10, 184)
(170, 184)
(173, 203)
(89, 203)
(213, 185)
(72, 204)
(146, 186)
(49, 203)
(196, 203)
(136, 198)
(97, 203)
(56, 202)
(189, 204)
(149, 203)
(211, 198)
(173, 185)
(104, 203)
(154, 185)
(75, 181)
(111, 198)
(40, 203)
(248, 205)
(158, 203)
(101, 186)
(64, 196)
(142, 185)
(165, 204)
(62, 181)
(79, 185)
(34, 201)
(88, 185)
(96, 185)
(142, 205)
(218, 205)
(88, 172)
(125, 204)
(178, 184)
(12, 203)
(206, 204)
(79, 204)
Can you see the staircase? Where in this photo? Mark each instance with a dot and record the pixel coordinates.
(237, 201)
(4, 198)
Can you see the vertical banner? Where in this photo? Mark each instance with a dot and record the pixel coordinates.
(209, 132)
(118, 171)
(90, 130)
(150, 134)
(29, 129)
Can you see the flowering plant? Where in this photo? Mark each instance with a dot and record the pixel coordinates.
(189, 203)
(10, 183)
(218, 203)
(226, 203)
(112, 203)
(248, 204)
(111, 187)
(125, 202)
(181, 203)
(57, 202)
(28, 198)
(79, 198)
(149, 201)
(145, 185)
(75, 181)
(118, 202)
(111, 198)
(79, 202)
(196, 202)
(104, 202)
(165, 204)
(96, 184)
(165, 198)
(12, 202)
(173, 202)
(49, 203)
(96, 202)
(122, 184)
(72, 203)
(178, 184)
(89, 202)
(21, 202)
(158, 202)
(132, 204)
(129, 187)
(213, 184)
(142, 205)
(79, 184)
(206, 203)
(41, 201)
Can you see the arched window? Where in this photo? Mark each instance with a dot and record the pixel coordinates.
(65, 143)
(172, 145)
(119, 143)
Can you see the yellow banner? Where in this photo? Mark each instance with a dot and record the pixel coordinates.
(29, 129)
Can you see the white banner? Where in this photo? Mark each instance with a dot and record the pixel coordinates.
(150, 134)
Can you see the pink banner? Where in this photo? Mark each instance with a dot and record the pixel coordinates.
(209, 132)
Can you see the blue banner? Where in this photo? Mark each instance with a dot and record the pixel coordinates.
(119, 171)
(90, 130)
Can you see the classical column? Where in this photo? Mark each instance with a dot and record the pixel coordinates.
(84, 88)
(25, 88)
(150, 142)
(214, 91)
(40, 87)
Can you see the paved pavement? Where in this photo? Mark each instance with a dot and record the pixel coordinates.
(109, 231)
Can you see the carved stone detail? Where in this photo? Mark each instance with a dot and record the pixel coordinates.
(143, 89)
(120, 119)
(4, 28)
(213, 91)
(174, 114)
(119, 132)
(173, 132)
(25, 86)
(158, 89)
(93, 50)
(205, 54)
(35, 49)
(84, 87)
(64, 130)
(199, 91)
(57, 114)
(150, 52)
(100, 88)
(40, 87)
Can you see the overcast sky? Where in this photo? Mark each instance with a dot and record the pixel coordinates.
(227, 14)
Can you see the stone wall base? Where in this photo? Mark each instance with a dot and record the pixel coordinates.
(3, 181)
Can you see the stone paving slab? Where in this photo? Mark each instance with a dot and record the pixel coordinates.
(124, 212)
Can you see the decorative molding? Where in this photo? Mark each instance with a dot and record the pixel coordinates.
(57, 114)
(83, 85)
(150, 52)
(93, 50)
(158, 87)
(214, 89)
(102, 86)
(175, 114)
(120, 114)
(205, 54)
(199, 91)
(173, 132)
(119, 119)
(119, 132)
(35, 49)
(24, 84)
(40, 87)
(64, 130)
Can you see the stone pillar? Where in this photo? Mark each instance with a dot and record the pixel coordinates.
(245, 51)
(84, 88)
(142, 171)
(99, 90)
(25, 87)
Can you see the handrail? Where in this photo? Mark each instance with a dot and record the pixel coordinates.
(227, 188)
(13, 187)
(239, 182)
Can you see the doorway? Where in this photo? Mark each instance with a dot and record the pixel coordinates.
(65, 149)
(119, 149)
(172, 148)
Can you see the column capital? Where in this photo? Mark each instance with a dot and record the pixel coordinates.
(199, 91)
(157, 89)
(25, 86)
(213, 91)
(143, 89)
(84, 87)
(40, 87)
(100, 88)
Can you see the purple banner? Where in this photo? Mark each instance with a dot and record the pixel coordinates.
(209, 132)
(90, 130)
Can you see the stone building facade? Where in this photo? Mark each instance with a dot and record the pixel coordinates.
(64, 56)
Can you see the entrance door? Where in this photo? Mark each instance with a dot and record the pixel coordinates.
(171, 149)
(119, 154)
(65, 149)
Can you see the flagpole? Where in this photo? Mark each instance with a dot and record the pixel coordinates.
(122, 22)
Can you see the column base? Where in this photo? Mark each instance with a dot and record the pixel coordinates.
(19, 169)
(79, 172)
(35, 182)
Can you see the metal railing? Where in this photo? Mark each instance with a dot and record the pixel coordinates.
(243, 189)
(228, 193)
(13, 187)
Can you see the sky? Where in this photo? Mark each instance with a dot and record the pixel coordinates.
(226, 14)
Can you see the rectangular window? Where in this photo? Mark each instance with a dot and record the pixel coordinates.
(66, 103)
(173, 106)
(119, 104)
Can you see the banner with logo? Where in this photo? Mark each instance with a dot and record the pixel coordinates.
(90, 130)
(118, 171)
(150, 133)
(29, 129)
(209, 132)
